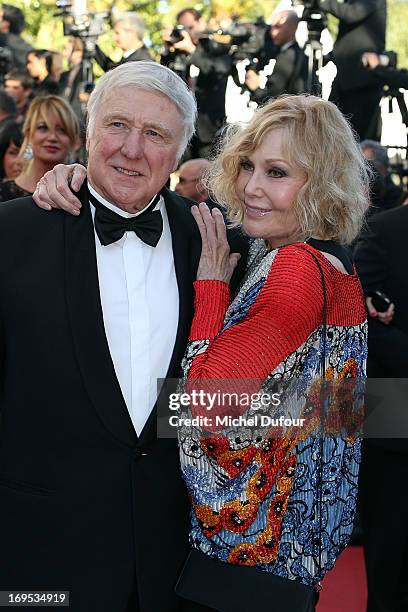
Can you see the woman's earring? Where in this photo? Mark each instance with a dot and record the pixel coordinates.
(28, 153)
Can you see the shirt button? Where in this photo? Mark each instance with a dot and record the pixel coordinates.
(138, 454)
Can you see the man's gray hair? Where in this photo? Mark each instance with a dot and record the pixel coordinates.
(147, 76)
(131, 21)
(380, 153)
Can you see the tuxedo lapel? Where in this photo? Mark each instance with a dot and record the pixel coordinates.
(86, 320)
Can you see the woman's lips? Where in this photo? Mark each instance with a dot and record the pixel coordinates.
(256, 211)
(51, 149)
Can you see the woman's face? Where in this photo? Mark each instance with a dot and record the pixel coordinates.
(11, 164)
(268, 185)
(50, 141)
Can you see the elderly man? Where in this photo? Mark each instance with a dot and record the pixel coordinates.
(189, 179)
(91, 500)
(128, 33)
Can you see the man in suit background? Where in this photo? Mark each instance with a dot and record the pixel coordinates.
(189, 184)
(129, 31)
(91, 501)
(380, 258)
(290, 70)
(356, 92)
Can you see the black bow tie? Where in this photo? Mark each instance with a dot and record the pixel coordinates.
(110, 227)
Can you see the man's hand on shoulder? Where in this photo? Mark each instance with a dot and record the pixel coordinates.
(55, 188)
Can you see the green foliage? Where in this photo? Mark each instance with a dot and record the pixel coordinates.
(397, 39)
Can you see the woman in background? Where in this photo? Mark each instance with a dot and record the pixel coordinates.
(11, 139)
(50, 133)
(40, 67)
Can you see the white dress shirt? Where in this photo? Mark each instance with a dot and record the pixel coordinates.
(140, 304)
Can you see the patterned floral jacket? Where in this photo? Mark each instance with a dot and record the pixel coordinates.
(284, 504)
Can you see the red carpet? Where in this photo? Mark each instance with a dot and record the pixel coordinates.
(344, 588)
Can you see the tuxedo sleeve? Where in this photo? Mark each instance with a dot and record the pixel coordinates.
(103, 60)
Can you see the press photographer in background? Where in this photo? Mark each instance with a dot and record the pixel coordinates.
(356, 92)
(384, 68)
(12, 23)
(290, 70)
(196, 47)
(129, 31)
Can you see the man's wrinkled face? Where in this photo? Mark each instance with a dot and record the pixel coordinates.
(133, 146)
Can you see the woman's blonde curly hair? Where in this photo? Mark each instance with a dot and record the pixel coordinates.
(319, 140)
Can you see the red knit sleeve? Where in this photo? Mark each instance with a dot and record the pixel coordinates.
(212, 298)
(287, 310)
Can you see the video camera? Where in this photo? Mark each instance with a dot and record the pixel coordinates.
(244, 40)
(248, 42)
(88, 27)
(314, 17)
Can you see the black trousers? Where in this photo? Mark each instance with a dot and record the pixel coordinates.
(383, 502)
(191, 606)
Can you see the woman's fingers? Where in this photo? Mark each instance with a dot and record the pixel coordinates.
(220, 229)
(195, 211)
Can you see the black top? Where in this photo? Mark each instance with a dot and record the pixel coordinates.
(10, 191)
(336, 249)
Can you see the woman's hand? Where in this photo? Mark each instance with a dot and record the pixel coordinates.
(54, 189)
(216, 262)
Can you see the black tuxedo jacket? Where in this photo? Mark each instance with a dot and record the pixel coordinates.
(85, 504)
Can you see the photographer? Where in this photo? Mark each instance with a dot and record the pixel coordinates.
(215, 65)
(12, 23)
(380, 68)
(290, 70)
(356, 92)
(129, 31)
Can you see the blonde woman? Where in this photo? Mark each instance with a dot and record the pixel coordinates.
(270, 515)
(50, 133)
